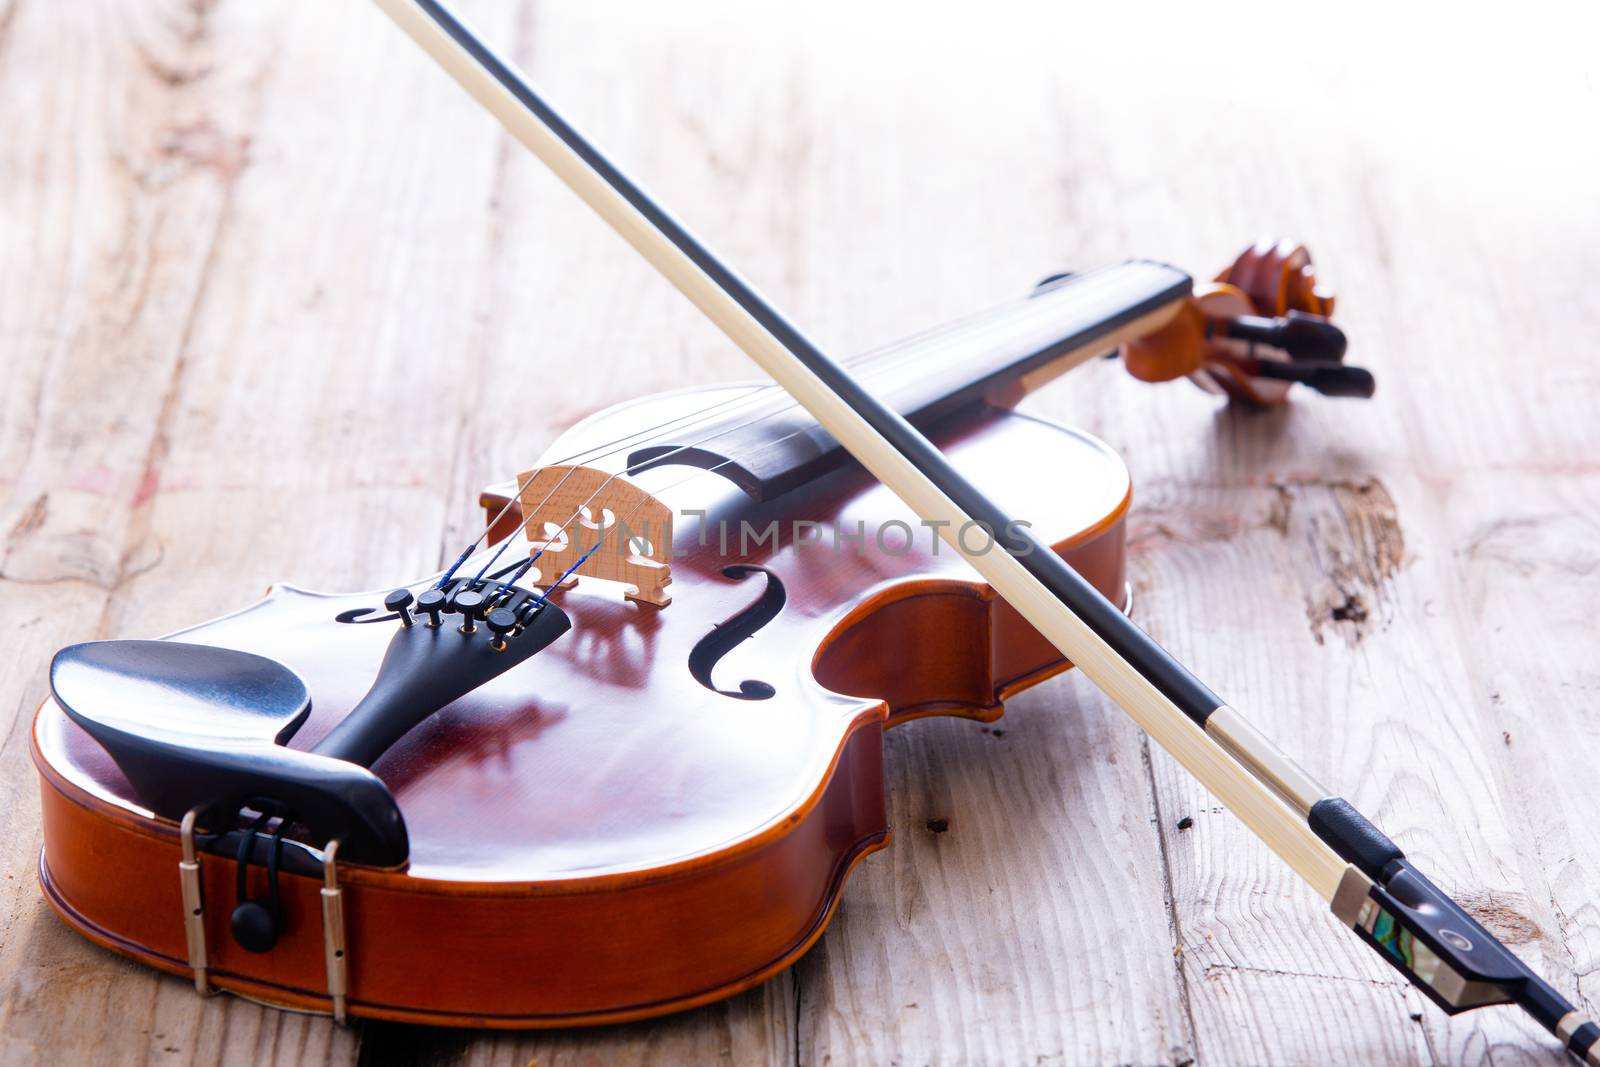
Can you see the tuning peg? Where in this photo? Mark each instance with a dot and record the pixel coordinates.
(1327, 378)
(1355, 382)
(501, 621)
(399, 602)
(1303, 336)
(431, 603)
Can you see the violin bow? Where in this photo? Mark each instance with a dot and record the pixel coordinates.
(1369, 883)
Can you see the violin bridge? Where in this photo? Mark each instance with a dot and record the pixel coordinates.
(617, 530)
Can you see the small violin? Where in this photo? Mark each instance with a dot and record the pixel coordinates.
(645, 756)
(619, 758)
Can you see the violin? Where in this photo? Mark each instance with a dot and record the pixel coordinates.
(658, 784)
(620, 757)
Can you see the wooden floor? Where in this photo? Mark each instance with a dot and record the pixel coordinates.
(271, 291)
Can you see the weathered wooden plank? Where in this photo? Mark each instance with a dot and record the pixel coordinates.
(1272, 547)
(1025, 888)
(126, 192)
(1527, 578)
(753, 1028)
(193, 433)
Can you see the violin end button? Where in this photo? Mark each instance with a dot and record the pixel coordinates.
(254, 926)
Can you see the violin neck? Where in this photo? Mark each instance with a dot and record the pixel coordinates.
(995, 357)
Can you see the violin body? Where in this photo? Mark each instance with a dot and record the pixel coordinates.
(658, 811)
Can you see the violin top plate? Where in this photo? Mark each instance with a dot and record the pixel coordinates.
(604, 755)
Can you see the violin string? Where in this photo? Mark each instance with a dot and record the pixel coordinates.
(881, 358)
(522, 569)
(622, 523)
(609, 448)
(653, 461)
(612, 447)
(953, 331)
(594, 452)
(908, 348)
(519, 571)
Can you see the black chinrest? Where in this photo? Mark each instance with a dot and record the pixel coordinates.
(192, 726)
(197, 727)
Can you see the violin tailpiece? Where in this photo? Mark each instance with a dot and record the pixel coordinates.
(603, 524)
(203, 730)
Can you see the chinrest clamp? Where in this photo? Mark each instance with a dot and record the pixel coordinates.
(335, 951)
(194, 917)
(335, 947)
(202, 732)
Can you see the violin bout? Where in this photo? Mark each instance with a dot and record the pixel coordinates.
(604, 524)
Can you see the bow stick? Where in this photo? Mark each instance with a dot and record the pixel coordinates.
(1370, 884)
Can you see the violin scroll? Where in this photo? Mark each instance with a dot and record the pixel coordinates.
(1263, 325)
(1277, 277)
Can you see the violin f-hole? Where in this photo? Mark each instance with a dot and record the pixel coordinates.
(726, 635)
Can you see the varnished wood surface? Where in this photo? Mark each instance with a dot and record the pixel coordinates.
(267, 282)
(596, 836)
